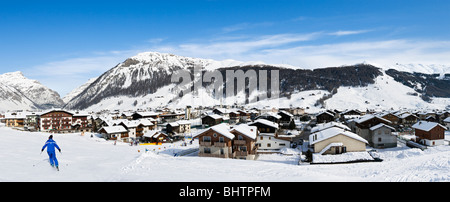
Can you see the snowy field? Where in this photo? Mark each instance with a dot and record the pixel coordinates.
(93, 159)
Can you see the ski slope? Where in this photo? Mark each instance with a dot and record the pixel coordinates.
(93, 159)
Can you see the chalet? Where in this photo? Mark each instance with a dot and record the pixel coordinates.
(132, 128)
(56, 120)
(324, 117)
(265, 126)
(221, 111)
(114, 133)
(390, 117)
(225, 142)
(336, 141)
(182, 126)
(145, 115)
(212, 120)
(15, 119)
(80, 121)
(244, 143)
(286, 117)
(271, 116)
(367, 121)
(154, 136)
(429, 133)
(408, 119)
(270, 143)
(31, 122)
(382, 137)
(216, 141)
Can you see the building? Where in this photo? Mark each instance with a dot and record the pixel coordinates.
(216, 141)
(366, 122)
(265, 126)
(212, 120)
(225, 142)
(56, 120)
(382, 137)
(270, 143)
(429, 133)
(447, 122)
(15, 119)
(324, 117)
(114, 133)
(182, 126)
(336, 141)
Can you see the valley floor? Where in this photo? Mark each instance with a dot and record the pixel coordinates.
(86, 158)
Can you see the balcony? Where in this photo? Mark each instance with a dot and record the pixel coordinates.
(206, 144)
(240, 153)
(220, 144)
(240, 142)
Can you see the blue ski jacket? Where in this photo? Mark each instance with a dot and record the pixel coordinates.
(50, 144)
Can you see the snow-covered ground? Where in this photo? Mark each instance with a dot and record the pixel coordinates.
(93, 159)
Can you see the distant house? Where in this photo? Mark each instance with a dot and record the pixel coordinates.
(15, 119)
(114, 133)
(212, 120)
(271, 116)
(429, 133)
(265, 126)
(286, 118)
(244, 143)
(382, 137)
(366, 122)
(325, 117)
(324, 126)
(270, 143)
(154, 136)
(408, 119)
(447, 122)
(390, 117)
(182, 126)
(336, 141)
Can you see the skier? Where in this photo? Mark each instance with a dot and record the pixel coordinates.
(51, 144)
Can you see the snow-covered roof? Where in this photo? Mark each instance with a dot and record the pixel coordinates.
(286, 113)
(447, 120)
(152, 134)
(249, 131)
(381, 125)
(265, 122)
(324, 126)
(427, 126)
(223, 129)
(331, 132)
(215, 116)
(368, 117)
(269, 114)
(404, 115)
(114, 129)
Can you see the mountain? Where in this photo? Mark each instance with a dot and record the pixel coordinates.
(18, 92)
(145, 81)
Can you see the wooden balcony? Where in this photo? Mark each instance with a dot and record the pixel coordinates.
(220, 144)
(206, 144)
(240, 142)
(240, 153)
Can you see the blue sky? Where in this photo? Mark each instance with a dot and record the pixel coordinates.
(60, 41)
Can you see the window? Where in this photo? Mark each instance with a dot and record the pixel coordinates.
(261, 138)
(243, 148)
(221, 139)
(240, 137)
(206, 139)
(207, 150)
(222, 152)
(215, 135)
(379, 139)
(268, 145)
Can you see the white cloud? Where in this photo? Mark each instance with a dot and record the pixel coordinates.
(348, 32)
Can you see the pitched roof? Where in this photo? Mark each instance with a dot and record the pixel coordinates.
(331, 132)
(222, 129)
(324, 126)
(265, 122)
(427, 126)
(381, 125)
(249, 131)
(114, 129)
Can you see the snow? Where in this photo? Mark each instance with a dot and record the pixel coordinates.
(345, 157)
(94, 159)
(427, 126)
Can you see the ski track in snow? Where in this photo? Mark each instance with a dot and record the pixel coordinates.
(94, 159)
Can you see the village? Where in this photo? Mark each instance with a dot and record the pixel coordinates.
(327, 137)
